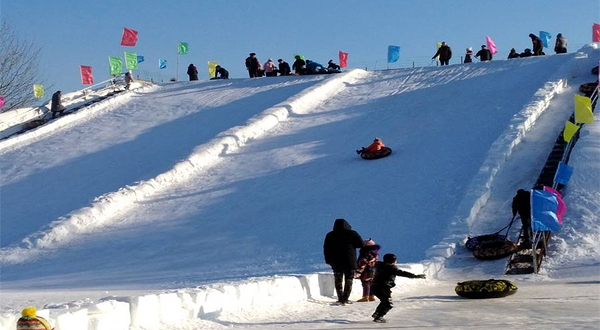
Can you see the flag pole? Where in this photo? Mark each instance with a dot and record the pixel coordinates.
(177, 67)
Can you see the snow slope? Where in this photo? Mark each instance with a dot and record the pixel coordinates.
(464, 139)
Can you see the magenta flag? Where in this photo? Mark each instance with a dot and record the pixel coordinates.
(491, 45)
(129, 37)
(562, 207)
(86, 75)
(596, 32)
(1, 101)
(343, 59)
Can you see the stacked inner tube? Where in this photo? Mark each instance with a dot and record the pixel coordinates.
(491, 247)
(485, 289)
(383, 152)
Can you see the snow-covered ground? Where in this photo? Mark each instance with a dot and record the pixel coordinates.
(200, 188)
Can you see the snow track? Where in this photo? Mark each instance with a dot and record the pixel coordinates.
(103, 209)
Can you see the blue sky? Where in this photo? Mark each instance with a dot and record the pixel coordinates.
(81, 32)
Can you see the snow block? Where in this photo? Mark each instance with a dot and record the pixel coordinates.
(73, 321)
(109, 315)
(170, 308)
(8, 322)
(145, 312)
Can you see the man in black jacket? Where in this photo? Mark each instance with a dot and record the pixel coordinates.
(284, 68)
(222, 72)
(484, 54)
(298, 65)
(252, 65)
(57, 106)
(522, 204)
(444, 52)
(340, 253)
(384, 281)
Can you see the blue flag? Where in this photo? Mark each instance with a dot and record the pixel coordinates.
(393, 53)
(543, 211)
(140, 58)
(162, 64)
(545, 36)
(563, 174)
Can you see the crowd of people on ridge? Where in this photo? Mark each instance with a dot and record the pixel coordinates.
(444, 52)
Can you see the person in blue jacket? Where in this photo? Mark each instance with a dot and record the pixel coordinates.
(314, 67)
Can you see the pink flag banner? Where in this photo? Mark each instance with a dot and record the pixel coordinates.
(86, 75)
(562, 207)
(491, 45)
(129, 37)
(596, 32)
(1, 101)
(343, 59)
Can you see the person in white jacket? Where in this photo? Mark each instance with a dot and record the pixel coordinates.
(270, 68)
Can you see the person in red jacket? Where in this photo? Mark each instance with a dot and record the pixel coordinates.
(374, 147)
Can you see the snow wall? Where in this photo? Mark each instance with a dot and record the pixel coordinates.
(153, 311)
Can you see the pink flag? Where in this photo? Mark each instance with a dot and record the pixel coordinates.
(1, 101)
(86, 75)
(343, 59)
(596, 32)
(129, 37)
(491, 45)
(562, 207)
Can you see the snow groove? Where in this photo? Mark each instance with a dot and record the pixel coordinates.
(479, 189)
(67, 121)
(105, 207)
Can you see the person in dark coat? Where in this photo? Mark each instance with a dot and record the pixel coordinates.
(526, 53)
(384, 281)
(331, 65)
(339, 249)
(513, 54)
(298, 65)
(484, 54)
(57, 106)
(220, 71)
(469, 55)
(538, 46)
(284, 68)
(252, 65)
(192, 72)
(521, 204)
(560, 46)
(444, 53)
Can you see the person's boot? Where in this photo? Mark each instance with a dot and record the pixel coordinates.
(363, 299)
(371, 298)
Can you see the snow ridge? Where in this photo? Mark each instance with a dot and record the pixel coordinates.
(105, 207)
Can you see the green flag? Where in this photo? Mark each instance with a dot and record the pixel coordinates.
(131, 61)
(183, 48)
(116, 65)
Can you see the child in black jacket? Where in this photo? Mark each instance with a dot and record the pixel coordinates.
(384, 281)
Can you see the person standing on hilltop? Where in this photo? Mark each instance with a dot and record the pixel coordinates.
(444, 52)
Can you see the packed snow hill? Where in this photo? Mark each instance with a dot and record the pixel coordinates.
(204, 205)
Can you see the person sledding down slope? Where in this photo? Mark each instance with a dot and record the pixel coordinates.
(376, 150)
(374, 147)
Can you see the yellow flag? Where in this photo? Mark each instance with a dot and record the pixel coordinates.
(570, 130)
(439, 44)
(583, 109)
(38, 91)
(212, 68)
